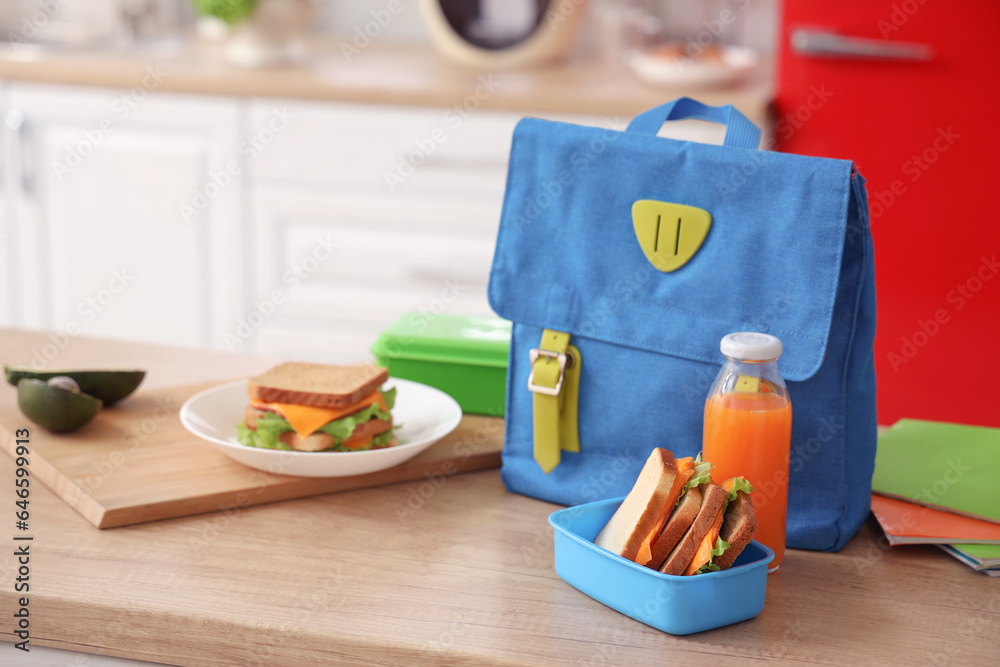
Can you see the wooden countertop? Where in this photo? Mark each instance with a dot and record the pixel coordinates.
(381, 73)
(455, 575)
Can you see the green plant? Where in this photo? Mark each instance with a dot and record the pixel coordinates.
(230, 11)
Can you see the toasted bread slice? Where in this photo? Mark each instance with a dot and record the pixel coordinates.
(318, 385)
(712, 498)
(680, 520)
(738, 529)
(639, 512)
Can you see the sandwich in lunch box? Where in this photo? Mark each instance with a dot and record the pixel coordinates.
(316, 407)
(678, 521)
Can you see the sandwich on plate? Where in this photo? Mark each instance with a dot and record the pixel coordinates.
(319, 408)
(678, 521)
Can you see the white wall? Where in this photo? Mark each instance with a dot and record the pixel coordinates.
(340, 17)
(75, 20)
(28, 18)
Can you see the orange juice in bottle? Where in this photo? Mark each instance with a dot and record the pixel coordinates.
(748, 430)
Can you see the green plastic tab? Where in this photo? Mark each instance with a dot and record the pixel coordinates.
(669, 234)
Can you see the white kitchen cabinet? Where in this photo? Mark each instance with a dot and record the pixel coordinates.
(97, 241)
(284, 227)
(364, 212)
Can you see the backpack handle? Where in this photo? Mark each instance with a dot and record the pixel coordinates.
(740, 132)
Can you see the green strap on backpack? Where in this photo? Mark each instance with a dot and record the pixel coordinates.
(555, 382)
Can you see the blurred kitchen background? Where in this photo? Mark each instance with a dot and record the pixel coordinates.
(101, 19)
(207, 252)
(291, 183)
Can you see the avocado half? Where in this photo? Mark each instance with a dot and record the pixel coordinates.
(57, 409)
(108, 386)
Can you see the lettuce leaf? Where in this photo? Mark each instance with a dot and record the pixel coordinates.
(720, 548)
(390, 398)
(269, 427)
(739, 484)
(383, 438)
(701, 475)
(245, 436)
(341, 429)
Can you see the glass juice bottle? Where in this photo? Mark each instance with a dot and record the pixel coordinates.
(748, 430)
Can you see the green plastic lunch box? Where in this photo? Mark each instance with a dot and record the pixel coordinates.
(464, 356)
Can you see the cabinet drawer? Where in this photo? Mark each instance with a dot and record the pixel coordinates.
(392, 242)
(386, 148)
(336, 262)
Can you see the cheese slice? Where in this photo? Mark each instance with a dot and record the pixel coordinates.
(307, 419)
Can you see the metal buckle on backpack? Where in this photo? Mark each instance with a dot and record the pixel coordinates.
(560, 357)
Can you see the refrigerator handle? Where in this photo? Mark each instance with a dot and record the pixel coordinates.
(824, 43)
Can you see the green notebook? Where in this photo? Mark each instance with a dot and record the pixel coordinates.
(948, 466)
(987, 553)
(975, 555)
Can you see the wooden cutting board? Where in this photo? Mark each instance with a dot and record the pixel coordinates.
(135, 462)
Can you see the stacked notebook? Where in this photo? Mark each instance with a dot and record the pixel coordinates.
(935, 483)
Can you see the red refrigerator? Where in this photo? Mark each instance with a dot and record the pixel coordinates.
(910, 91)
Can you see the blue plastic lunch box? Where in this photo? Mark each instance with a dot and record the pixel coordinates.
(675, 604)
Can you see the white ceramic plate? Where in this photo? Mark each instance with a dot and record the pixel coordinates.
(734, 62)
(425, 415)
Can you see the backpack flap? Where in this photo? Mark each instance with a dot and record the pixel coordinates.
(568, 257)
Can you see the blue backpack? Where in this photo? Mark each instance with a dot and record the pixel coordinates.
(619, 351)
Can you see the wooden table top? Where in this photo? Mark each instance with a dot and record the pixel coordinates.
(451, 572)
(384, 73)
